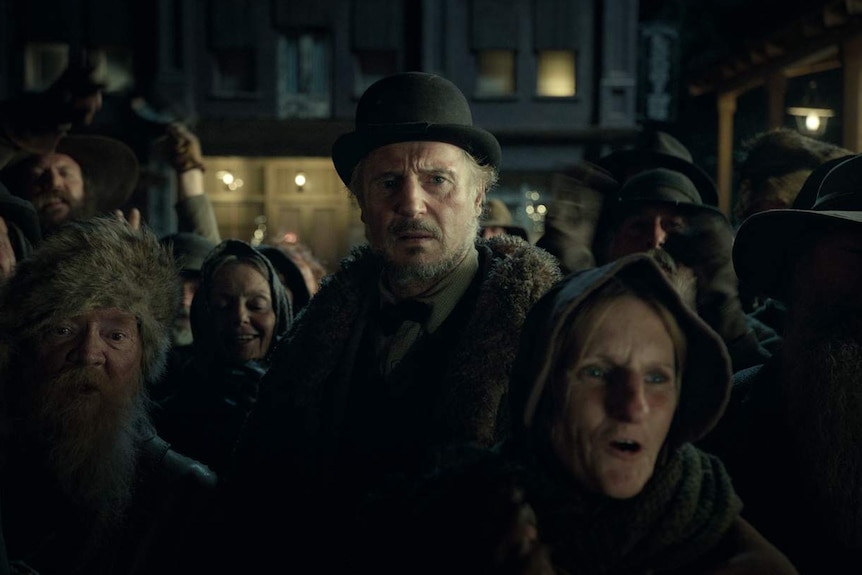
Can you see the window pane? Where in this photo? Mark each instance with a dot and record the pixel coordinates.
(556, 73)
(495, 73)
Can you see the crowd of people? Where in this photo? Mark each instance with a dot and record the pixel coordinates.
(648, 387)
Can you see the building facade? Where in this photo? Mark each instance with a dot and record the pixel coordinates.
(269, 85)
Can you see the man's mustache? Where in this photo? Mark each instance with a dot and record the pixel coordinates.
(410, 225)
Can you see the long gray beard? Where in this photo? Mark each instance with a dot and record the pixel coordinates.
(824, 402)
(91, 449)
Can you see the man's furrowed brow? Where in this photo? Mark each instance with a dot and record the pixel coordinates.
(438, 171)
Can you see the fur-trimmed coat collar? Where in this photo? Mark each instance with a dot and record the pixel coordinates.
(516, 275)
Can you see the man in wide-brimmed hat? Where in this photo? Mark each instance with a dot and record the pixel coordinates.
(659, 208)
(83, 176)
(413, 338)
(662, 209)
(584, 191)
(658, 149)
(792, 433)
(64, 176)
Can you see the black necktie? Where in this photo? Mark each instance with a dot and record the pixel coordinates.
(393, 315)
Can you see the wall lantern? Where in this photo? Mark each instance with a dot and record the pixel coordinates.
(300, 181)
(230, 182)
(812, 113)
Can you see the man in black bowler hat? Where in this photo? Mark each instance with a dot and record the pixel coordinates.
(407, 348)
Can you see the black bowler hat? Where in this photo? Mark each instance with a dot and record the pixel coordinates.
(410, 107)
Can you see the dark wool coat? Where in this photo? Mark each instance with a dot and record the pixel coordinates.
(164, 530)
(752, 439)
(292, 438)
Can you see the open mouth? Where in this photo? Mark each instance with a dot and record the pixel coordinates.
(626, 445)
(245, 338)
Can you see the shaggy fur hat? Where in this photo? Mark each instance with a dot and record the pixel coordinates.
(97, 263)
(776, 165)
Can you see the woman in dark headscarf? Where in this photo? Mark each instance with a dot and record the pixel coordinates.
(239, 314)
(614, 380)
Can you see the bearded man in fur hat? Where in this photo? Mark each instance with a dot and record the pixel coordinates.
(408, 347)
(87, 485)
(792, 434)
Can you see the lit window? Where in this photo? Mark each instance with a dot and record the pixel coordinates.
(556, 73)
(370, 66)
(495, 73)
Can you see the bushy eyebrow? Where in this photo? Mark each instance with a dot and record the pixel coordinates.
(434, 171)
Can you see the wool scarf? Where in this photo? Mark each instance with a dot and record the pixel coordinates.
(683, 511)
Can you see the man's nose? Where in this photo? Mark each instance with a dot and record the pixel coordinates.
(411, 198)
(658, 234)
(50, 180)
(240, 313)
(89, 349)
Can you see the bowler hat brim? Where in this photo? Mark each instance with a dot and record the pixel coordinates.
(763, 250)
(350, 148)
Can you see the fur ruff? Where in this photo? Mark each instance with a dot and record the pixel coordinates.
(476, 383)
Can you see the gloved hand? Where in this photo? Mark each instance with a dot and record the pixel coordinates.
(185, 149)
(35, 123)
(573, 215)
(705, 246)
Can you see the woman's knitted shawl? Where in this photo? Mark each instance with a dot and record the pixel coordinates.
(683, 511)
